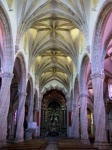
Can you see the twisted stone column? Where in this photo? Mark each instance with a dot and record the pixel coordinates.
(39, 107)
(35, 120)
(4, 105)
(83, 118)
(31, 106)
(99, 111)
(11, 127)
(76, 122)
(69, 110)
(72, 118)
(35, 114)
(30, 119)
(20, 118)
(76, 116)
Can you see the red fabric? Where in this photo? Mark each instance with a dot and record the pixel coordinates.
(69, 119)
(37, 118)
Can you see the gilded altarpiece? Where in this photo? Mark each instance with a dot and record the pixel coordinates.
(54, 118)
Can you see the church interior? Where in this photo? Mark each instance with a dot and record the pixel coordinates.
(55, 74)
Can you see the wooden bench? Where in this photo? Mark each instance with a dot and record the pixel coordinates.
(71, 144)
(38, 144)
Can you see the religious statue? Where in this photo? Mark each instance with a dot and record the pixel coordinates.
(54, 118)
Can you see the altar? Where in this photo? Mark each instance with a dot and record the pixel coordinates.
(53, 133)
(54, 120)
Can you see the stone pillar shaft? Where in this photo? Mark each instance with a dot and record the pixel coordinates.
(30, 107)
(11, 127)
(20, 117)
(76, 115)
(99, 110)
(76, 122)
(4, 105)
(83, 118)
(38, 127)
(30, 119)
(69, 110)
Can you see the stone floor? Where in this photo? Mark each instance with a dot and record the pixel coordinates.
(52, 143)
(52, 146)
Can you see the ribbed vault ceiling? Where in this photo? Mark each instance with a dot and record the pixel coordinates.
(53, 33)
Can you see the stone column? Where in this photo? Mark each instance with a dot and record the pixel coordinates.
(76, 122)
(83, 118)
(11, 127)
(20, 117)
(39, 108)
(72, 118)
(30, 107)
(35, 120)
(30, 118)
(69, 110)
(4, 105)
(76, 112)
(99, 111)
(30, 113)
(35, 114)
(73, 111)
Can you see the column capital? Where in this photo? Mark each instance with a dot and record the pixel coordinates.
(98, 75)
(84, 95)
(7, 74)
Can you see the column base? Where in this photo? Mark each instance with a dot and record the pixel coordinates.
(85, 141)
(101, 145)
(2, 143)
(19, 140)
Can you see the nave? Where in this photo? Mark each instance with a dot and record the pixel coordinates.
(55, 72)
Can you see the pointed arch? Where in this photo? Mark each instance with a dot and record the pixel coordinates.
(84, 71)
(97, 47)
(22, 64)
(8, 51)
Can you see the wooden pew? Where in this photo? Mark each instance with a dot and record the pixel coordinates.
(71, 144)
(38, 144)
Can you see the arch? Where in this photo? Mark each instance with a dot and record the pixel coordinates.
(1, 58)
(76, 87)
(35, 100)
(97, 47)
(21, 58)
(84, 74)
(13, 107)
(30, 80)
(46, 89)
(2, 41)
(8, 51)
